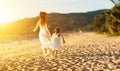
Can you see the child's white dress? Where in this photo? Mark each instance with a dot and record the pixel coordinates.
(55, 42)
(44, 37)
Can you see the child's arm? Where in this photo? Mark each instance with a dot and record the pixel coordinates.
(37, 25)
(63, 39)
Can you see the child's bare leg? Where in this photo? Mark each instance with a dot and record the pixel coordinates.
(53, 53)
(56, 51)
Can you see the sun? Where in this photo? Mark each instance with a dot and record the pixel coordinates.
(4, 18)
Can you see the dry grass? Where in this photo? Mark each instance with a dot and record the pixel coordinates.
(81, 52)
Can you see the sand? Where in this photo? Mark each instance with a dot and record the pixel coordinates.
(81, 52)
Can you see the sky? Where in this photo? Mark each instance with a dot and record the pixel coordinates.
(11, 10)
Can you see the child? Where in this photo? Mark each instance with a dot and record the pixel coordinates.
(55, 41)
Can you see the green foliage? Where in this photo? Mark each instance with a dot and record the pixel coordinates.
(99, 21)
(109, 21)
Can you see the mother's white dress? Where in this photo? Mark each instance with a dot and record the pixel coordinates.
(44, 36)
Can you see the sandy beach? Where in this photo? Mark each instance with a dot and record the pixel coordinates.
(81, 52)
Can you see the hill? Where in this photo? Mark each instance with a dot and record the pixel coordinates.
(67, 22)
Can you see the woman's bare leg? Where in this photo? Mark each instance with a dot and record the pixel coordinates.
(45, 52)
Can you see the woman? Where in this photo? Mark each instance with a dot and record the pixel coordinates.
(44, 34)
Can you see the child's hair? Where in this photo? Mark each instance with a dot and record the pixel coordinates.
(57, 30)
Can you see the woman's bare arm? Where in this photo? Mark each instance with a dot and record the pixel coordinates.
(37, 25)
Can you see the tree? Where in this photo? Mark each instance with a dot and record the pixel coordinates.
(116, 2)
(109, 21)
(99, 22)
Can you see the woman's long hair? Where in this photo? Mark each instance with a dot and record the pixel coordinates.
(43, 18)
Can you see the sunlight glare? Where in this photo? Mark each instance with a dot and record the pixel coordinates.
(4, 17)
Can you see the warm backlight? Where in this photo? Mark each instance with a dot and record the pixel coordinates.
(4, 18)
